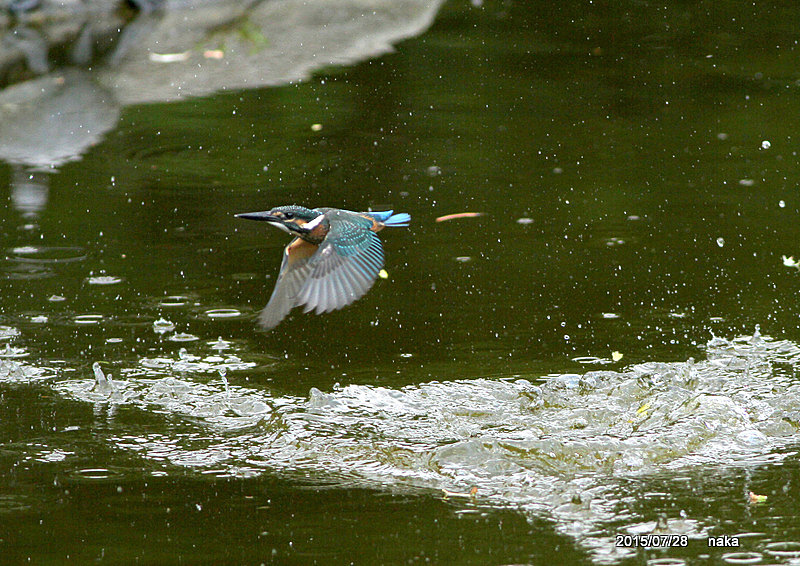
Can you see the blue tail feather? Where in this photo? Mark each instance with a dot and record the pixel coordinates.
(389, 218)
(401, 219)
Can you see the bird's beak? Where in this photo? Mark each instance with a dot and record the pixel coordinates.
(264, 216)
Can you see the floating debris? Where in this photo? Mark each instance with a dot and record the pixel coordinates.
(458, 215)
(213, 54)
(316, 127)
(616, 356)
(383, 274)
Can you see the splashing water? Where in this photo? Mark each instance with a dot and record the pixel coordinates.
(561, 447)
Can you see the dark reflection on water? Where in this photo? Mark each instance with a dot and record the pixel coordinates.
(635, 169)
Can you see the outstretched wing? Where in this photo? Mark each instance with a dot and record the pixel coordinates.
(294, 271)
(345, 266)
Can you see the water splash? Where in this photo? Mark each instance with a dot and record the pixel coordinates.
(564, 446)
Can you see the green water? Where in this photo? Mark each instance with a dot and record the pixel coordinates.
(635, 169)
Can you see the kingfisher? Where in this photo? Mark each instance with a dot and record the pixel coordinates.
(334, 258)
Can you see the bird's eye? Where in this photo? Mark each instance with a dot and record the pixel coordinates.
(288, 215)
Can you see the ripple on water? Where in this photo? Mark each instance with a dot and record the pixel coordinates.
(742, 557)
(45, 254)
(183, 337)
(103, 280)
(7, 332)
(95, 474)
(223, 313)
(85, 319)
(13, 371)
(173, 301)
(10, 351)
(14, 503)
(787, 549)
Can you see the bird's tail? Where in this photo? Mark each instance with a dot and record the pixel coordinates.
(401, 219)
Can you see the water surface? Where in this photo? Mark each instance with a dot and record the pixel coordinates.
(635, 175)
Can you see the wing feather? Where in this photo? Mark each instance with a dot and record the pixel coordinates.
(346, 265)
(295, 269)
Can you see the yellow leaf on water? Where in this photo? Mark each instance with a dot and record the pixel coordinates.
(616, 356)
(383, 274)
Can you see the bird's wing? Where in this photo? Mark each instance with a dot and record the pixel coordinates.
(345, 266)
(295, 269)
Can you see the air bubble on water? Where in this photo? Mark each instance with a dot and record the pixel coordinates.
(765, 144)
(720, 242)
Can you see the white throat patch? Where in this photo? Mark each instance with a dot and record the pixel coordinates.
(314, 223)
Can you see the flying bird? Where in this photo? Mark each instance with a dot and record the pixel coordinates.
(333, 260)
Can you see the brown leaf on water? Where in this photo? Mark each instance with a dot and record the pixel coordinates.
(459, 215)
